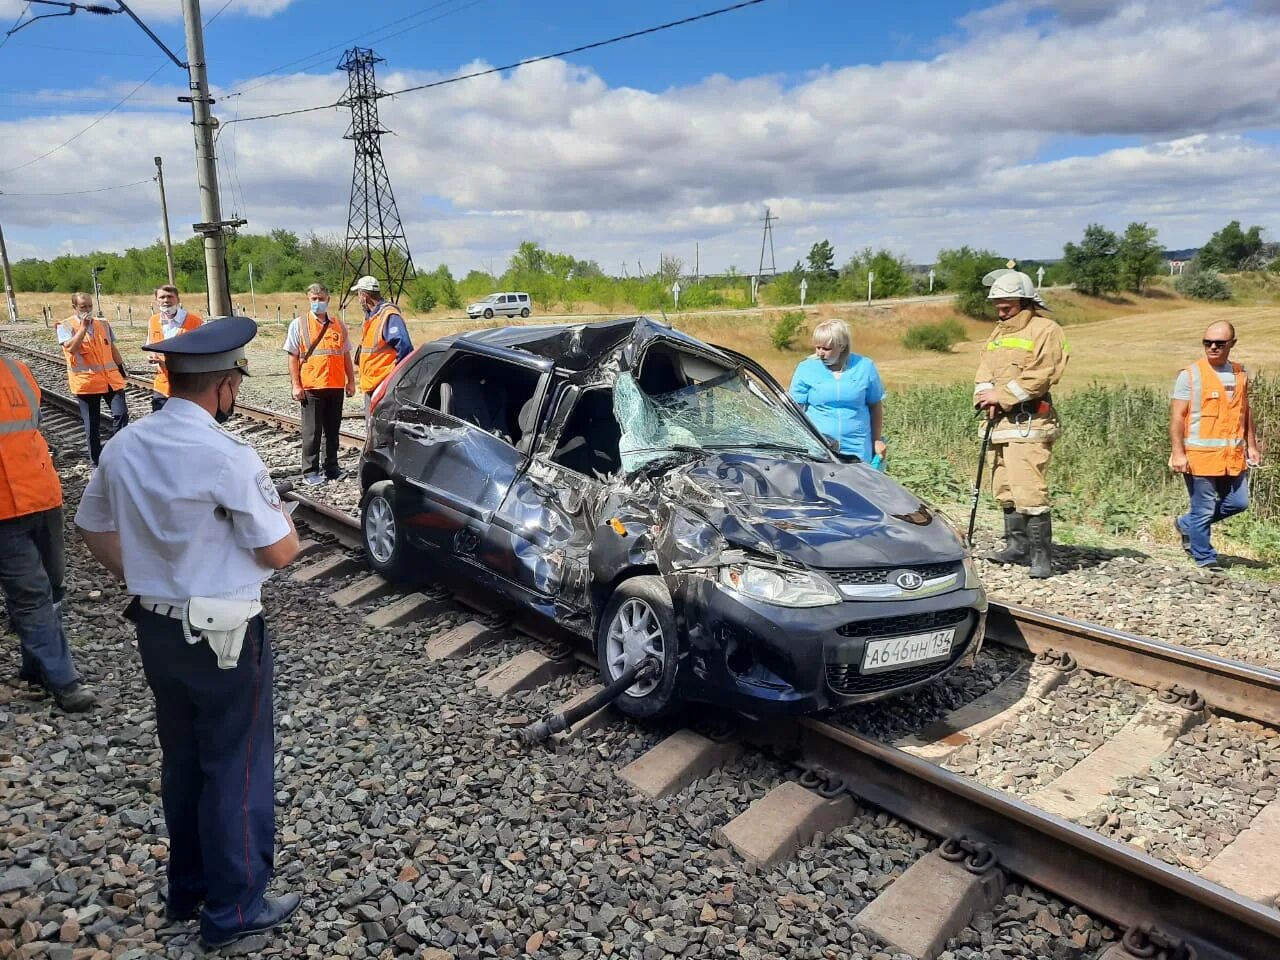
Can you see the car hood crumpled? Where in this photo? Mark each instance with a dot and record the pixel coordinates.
(827, 515)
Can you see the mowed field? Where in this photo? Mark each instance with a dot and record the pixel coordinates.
(1133, 340)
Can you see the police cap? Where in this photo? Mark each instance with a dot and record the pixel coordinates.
(211, 347)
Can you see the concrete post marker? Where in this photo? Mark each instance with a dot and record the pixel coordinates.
(524, 671)
(979, 717)
(1150, 733)
(332, 565)
(1250, 864)
(929, 904)
(370, 588)
(460, 640)
(780, 822)
(414, 606)
(676, 762)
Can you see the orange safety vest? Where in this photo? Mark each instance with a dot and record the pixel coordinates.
(377, 357)
(326, 368)
(1213, 432)
(155, 333)
(28, 482)
(92, 369)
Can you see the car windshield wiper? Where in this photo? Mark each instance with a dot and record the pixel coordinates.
(762, 445)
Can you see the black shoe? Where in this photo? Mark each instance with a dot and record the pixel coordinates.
(1213, 566)
(334, 474)
(30, 675)
(181, 912)
(1186, 539)
(75, 698)
(1015, 540)
(1040, 534)
(274, 912)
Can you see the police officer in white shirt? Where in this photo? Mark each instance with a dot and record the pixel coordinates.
(187, 516)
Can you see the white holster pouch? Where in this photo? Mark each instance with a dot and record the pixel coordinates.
(220, 623)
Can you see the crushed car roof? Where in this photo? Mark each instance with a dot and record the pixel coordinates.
(580, 346)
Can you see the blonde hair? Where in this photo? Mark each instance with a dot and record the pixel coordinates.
(834, 333)
(80, 297)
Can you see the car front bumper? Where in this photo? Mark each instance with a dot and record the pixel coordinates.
(762, 658)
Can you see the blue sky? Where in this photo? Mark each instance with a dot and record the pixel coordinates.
(912, 125)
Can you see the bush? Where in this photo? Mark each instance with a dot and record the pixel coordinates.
(782, 332)
(422, 295)
(962, 270)
(1203, 285)
(934, 336)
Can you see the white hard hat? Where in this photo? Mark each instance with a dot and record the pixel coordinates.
(1011, 284)
(367, 284)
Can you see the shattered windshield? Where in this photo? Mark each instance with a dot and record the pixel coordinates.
(730, 412)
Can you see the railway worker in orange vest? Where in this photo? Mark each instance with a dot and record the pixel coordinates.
(384, 341)
(170, 319)
(31, 564)
(320, 367)
(1024, 357)
(95, 370)
(1214, 442)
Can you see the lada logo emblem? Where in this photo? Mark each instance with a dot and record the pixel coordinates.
(909, 580)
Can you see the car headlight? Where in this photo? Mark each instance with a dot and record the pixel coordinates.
(786, 588)
(971, 579)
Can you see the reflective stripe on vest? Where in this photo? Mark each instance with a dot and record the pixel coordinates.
(32, 422)
(1013, 343)
(377, 356)
(155, 333)
(1213, 436)
(92, 368)
(324, 368)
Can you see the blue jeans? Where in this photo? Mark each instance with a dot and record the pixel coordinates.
(31, 572)
(1212, 499)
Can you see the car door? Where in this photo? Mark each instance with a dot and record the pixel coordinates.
(454, 456)
(544, 528)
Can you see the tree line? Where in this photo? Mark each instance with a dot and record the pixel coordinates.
(1101, 263)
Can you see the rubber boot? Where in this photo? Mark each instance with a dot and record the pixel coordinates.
(1040, 533)
(1015, 540)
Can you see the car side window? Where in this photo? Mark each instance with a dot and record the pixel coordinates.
(502, 299)
(588, 443)
(412, 385)
(494, 395)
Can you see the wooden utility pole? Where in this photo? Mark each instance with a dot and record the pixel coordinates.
(9, 297)
(164, 216)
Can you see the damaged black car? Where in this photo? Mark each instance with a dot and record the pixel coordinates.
(665, 499)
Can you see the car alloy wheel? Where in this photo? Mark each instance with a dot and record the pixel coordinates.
(635, 634)
(380, 529)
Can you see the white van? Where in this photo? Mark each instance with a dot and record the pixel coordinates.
(500, 305)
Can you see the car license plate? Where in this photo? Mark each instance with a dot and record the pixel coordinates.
(902, 651)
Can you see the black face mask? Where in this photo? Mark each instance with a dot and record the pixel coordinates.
(222, 416)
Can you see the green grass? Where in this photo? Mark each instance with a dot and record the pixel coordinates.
(1110, 467)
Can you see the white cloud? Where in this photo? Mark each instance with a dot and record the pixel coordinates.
(965, 147)
(170, 9)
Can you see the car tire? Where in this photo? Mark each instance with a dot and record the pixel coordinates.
(524, 313)
(382, 532)
(641, 605)
(488, 314)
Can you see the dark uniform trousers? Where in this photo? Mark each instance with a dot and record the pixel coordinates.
(31, 575)
(91, 416)
(218, 742)
(321, 414)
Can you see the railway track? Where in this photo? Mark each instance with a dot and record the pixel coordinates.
(991, 830)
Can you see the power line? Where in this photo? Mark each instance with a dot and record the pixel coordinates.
(76, 193)
(267, 78)
(512, 66)
(5, 38)
(75, 136)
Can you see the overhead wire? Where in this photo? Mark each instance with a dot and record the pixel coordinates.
(76, 193)
(17, 20)
(511, 66)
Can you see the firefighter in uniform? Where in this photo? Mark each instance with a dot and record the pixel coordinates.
(384, 341)
(1024, 357)
(95, 371)
(170, 320)
(31, 557)
(186, 514)
(320, 367)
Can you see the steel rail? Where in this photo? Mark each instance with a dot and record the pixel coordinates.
(1109, 879)
(1238, 688)
(284, 421)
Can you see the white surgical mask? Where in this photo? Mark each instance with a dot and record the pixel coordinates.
(82, 316)
(169, 312)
